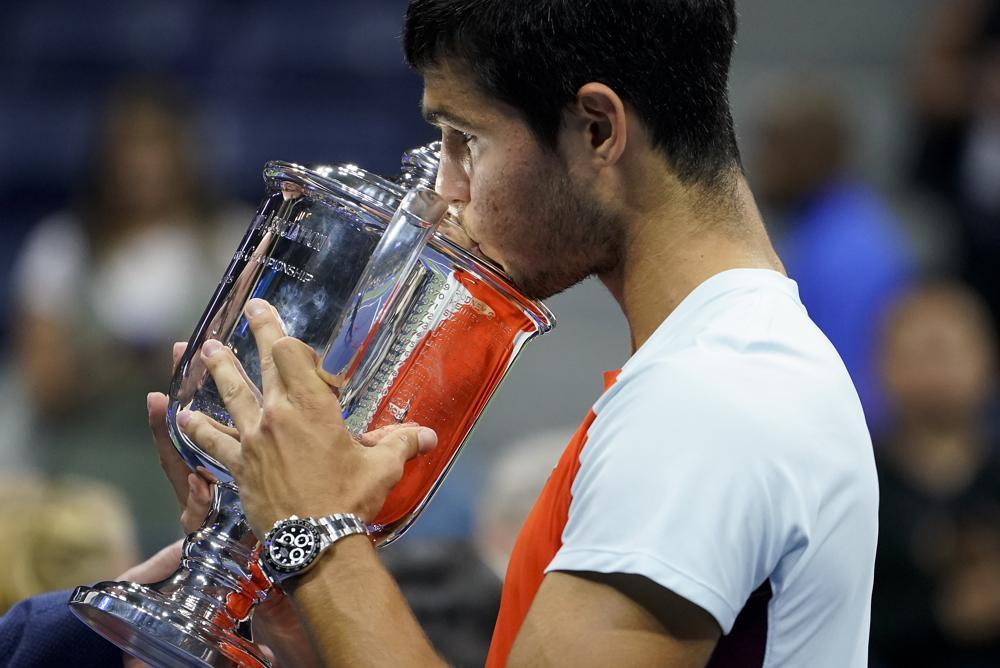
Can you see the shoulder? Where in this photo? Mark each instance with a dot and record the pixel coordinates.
(753, 418)
(746, 383)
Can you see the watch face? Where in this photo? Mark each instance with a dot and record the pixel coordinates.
(291, 546)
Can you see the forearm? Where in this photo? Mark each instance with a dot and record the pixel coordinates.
(355, 612)
(277, 626)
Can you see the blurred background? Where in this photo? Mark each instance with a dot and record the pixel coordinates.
(132, 135)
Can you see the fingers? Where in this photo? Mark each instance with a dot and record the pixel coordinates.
(178, 352)
(373, 437)
(198, 502)
(157, 567)
(405, 443)
(296, 363)
(266, 328)
(235, 390)
(224, 428)
(223, 447)
(170, 461)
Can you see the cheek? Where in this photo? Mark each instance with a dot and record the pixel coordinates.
(491, 199)
(507, 199)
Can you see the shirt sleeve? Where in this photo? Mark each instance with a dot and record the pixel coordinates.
(675, 485)
(41, 632)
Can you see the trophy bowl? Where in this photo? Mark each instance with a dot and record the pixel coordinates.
(409, 324)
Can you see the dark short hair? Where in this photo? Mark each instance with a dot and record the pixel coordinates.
(668, 59)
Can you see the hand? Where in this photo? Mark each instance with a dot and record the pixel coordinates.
(192, 490)
(157, 567)
(295, 455)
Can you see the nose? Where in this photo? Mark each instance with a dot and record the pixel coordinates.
(452, 180)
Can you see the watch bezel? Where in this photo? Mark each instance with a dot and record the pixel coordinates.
(284, 525)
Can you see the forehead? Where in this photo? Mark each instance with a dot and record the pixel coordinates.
(451, 96)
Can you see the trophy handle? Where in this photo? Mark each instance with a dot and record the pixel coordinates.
(359, 333)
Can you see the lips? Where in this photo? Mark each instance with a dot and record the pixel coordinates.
(452, 229)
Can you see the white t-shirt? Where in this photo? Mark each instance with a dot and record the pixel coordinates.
(732, 454)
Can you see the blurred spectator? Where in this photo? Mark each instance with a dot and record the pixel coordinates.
(839, 241)
(957, 104)
(454, 587)
(102, 290)
(59, 535)
(937, 575)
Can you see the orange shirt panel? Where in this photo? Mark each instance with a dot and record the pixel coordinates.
(537, 543)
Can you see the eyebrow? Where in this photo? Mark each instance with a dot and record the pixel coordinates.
(439, 115)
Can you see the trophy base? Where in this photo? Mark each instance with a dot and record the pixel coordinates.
(157, 630)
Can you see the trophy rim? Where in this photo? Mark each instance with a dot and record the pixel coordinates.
(335, 181)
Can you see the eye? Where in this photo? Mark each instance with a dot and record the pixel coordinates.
(456, 140)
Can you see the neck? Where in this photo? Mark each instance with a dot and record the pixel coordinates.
(679, 242)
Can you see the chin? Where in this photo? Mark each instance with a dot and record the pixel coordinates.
(542, 285)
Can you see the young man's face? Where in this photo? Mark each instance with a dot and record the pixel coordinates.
(515, 198)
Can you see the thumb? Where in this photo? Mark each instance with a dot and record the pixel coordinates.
(198, 503)
(178, 352)
(405, 443)
(175, 468)
(157, 567)
(129, 661)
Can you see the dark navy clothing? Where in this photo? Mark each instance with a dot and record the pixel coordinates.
(41, 632)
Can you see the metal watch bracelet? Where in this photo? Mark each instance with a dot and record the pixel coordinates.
(340, 525)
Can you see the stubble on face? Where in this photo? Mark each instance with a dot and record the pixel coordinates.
(563, 237)
(526, 210)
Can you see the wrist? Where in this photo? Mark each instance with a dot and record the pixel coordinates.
(295, 544)
(342, 559)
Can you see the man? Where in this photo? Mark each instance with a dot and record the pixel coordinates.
(718, 505)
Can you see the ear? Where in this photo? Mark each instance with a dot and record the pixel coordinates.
(595, 126)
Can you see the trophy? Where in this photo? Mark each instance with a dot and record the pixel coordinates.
(409, 323)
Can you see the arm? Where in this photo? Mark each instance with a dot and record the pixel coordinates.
(356, 613)
(41, 631)
(595, 619)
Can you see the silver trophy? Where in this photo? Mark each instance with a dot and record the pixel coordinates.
(409, 323)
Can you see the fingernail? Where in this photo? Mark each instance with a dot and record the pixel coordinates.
(149, 401)
(211, 347)
(426, 439)
(257, 308)
(183, 418)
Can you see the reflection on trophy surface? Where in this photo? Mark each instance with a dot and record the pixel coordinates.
(409, 324)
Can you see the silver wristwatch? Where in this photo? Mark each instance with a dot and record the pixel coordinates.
(293, 545)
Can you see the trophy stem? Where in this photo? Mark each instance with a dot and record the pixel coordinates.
(193, 617)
